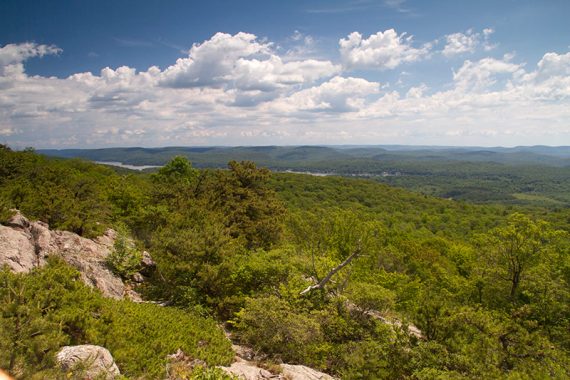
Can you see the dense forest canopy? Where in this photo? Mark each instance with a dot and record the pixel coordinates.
(356, 278)
(537, 175)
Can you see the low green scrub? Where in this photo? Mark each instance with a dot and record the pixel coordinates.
(50, 307)
(488, 292)
(273, 326)
(142, 335)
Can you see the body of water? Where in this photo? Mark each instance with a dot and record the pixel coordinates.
(126, 166)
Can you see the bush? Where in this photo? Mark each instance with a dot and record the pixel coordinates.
(142, 335)
(51, 307)
(271, 325)
(5, 211)
(125, 259)
(371, 297)
(41, 312)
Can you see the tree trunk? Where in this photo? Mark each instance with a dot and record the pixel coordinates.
(515, 280)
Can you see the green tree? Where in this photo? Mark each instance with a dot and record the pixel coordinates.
(174, 184)
(177, 169)
(332, 241)
(513, 249)
(252, 209)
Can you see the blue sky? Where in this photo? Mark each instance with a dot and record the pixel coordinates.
(154, 73)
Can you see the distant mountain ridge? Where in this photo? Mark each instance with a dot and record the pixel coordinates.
(531, 175)
(297, 157)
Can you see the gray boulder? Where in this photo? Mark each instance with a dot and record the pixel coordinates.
(88, 361)
(246, 367)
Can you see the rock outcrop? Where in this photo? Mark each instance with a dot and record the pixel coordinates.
(17, 250)
(245, 368)
(300, 372)
(91, 362)
(25, 245)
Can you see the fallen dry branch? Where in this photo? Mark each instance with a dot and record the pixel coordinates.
(333, 271)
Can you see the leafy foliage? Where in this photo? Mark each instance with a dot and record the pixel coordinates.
(50, 307)
(273, 326)
(252, 209)
(440, 288)
(66, 195)
(140, 337)
(125, 259)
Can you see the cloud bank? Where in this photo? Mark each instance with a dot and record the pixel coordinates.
(239, 90)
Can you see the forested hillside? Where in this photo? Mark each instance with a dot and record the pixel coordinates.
(535, 175)
(349, 276)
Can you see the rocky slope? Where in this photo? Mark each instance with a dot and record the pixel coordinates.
(25, 245)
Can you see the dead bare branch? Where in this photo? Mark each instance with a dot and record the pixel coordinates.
(333, 271)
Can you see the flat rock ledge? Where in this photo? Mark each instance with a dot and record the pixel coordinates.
(244, 368)
(300, 372)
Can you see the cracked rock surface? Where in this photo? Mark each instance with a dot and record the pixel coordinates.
(94, 362)
(25, 245)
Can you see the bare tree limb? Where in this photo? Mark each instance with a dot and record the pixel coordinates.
(333, 271)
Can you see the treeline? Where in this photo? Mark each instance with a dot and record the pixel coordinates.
(423, 287)
(521, 176)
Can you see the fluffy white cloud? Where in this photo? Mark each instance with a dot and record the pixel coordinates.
(417, 92)
(243, 62)
(383, 50)
(282, 101)
(522, 108)
(336, 95)
(550, 80)
(12, 55)
(553, 65)
(302, 46)
(459, 43)
(482, 74)
(273, 73)
(212, 62)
